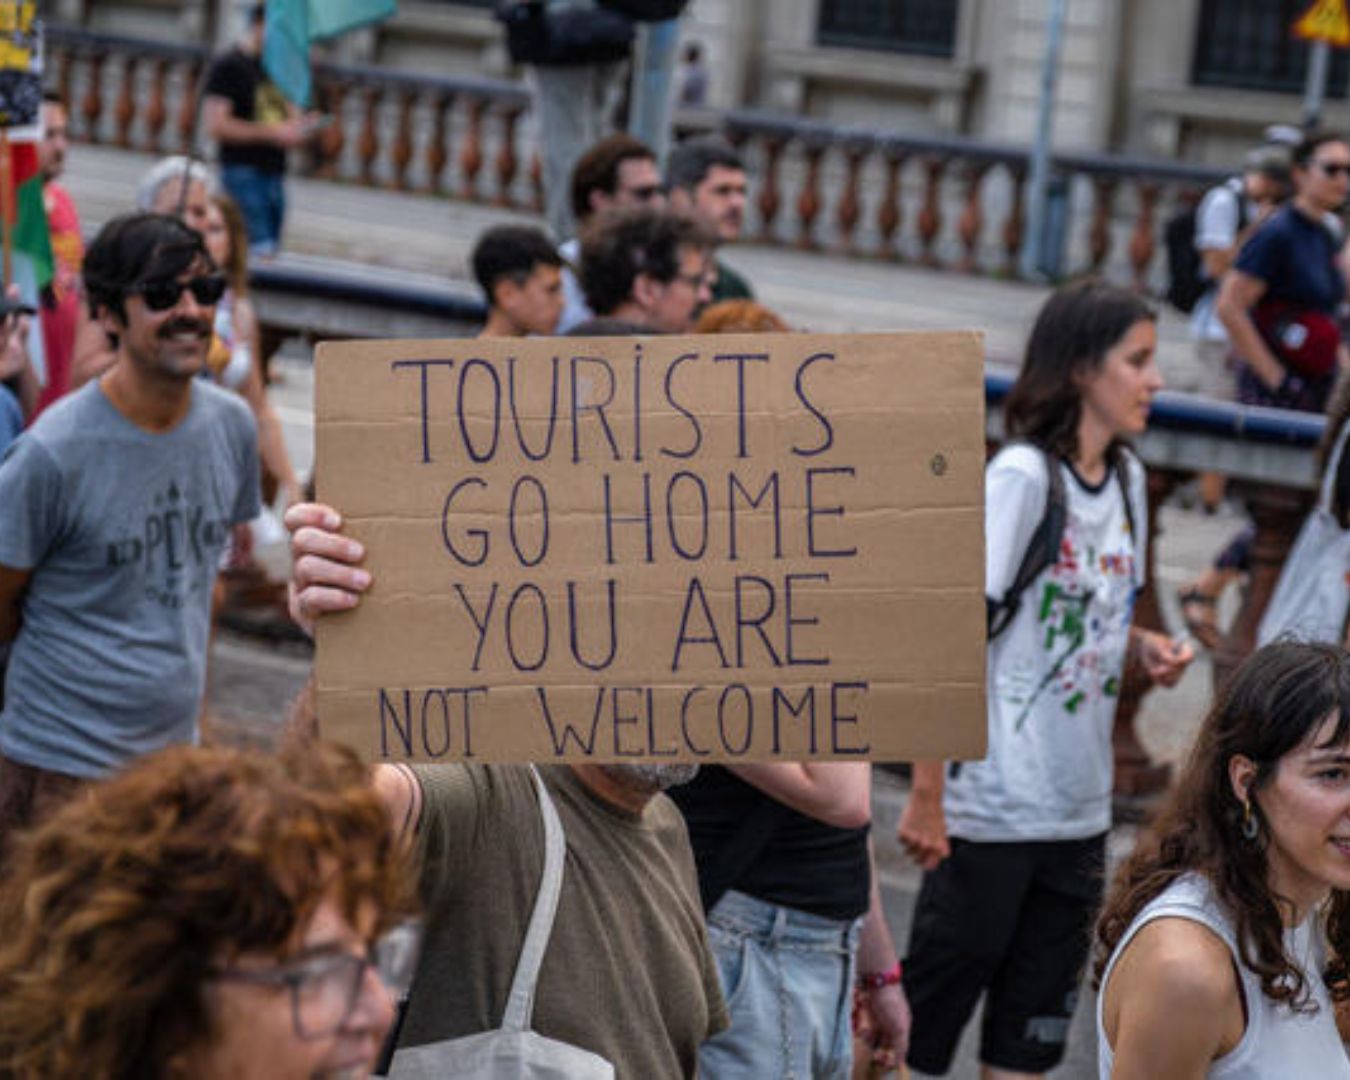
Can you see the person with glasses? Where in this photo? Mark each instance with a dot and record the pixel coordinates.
(208, 913)
(650, 268)
(117, 504)
(619, 172)
(1279, 305)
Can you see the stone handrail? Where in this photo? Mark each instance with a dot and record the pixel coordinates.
(944, 202)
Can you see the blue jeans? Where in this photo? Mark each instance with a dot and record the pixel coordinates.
(261, 198)
(788, 980)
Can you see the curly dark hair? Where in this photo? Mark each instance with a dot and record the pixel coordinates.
(115, 910)
(1279, 698)
(1074, 331)
(621, 244)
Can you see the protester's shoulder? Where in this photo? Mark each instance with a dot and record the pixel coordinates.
(731, 284)
(454, 789)
(216, 401)
(666, 822)
(71, 418)
(230, 64)
(1021, 461)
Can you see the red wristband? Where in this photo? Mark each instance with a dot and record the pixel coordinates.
(875, 980)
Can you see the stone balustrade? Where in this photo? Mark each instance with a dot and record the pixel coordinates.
(951, 203)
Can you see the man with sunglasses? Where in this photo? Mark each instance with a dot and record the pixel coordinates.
(617, 173)
(117, 505)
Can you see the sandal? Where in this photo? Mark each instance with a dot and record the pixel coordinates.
(1199, 611)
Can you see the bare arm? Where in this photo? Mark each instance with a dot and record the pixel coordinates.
(271, 441)
(1172, 1004)
(922, 829)
(837, 793)
(885, 1016)
(222, 125)
(1240, 293)
(13, 584)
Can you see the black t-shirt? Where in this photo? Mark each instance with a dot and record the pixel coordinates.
(239, 78)
(801, 863)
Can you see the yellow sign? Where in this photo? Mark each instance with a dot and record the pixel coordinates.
(1326, 20)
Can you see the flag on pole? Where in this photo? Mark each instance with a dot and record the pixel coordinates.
(1326, 20)
(293, 25)
(26, 217)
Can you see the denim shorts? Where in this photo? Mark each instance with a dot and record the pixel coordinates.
(788, 981)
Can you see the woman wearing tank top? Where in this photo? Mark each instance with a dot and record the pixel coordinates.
(1219, 952)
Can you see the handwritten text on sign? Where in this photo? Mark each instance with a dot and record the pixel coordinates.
(704, 548)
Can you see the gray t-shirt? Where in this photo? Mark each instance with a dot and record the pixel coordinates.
(122, 530)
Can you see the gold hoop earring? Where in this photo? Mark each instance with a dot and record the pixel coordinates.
(1250, 826)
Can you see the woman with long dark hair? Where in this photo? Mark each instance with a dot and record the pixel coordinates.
(1008, 901)
(1220, 950)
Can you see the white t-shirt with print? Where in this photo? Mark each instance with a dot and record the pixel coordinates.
(1053, 675)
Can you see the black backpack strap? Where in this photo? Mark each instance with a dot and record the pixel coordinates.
(1042, 550)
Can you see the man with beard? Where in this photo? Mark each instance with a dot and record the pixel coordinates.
(627, 974)
(706, 178)
(118, 502)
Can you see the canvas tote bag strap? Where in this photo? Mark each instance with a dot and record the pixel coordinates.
(1333, 465)
(520, 1005)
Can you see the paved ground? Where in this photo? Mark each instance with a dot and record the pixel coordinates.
(251, 682)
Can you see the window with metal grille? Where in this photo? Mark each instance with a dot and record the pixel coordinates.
(911, 26)
(1250, 44)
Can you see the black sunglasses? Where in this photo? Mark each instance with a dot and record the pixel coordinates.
(1333, 169)
(162, 295)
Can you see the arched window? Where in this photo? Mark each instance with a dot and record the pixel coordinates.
(927, 27)
(1250, 44)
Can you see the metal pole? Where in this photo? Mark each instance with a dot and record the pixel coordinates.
(1316, 87)
(1032, 249)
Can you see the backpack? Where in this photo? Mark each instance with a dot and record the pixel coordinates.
(1043, 547)
(1186, 280)
(647, 10)
(566, 37)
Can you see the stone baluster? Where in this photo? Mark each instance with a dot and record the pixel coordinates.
(891, 212)
(187, 107)
(368, 145)
(333, 137)
(438, 151)
(809, 201)
(1099, 232)
(157, 108)
(850, 199)
(65, 74)
(507, 161)
(1014, 229)
(91, 108)
(930, 214)
(970, 224)
(124, 111)
(1143, 242)
(537, 182)
(1278, 514)
(1136, 774)
(770, 197)
(471, 154)
(401, 153)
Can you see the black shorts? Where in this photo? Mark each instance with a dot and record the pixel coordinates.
(1012, 921)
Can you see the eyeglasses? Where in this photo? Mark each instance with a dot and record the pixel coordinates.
(695, 281)
(1333, 169)
(646, 193)
(324, 989)
(162, 295)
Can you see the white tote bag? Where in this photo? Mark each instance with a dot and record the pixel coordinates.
(1312, 596)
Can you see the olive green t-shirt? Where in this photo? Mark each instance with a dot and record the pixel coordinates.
(628, 973)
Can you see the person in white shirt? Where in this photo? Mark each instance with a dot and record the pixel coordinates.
(1013, 845)
(1220, 952)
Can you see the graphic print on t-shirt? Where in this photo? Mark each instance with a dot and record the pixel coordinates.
(1083, 617)
(169, 543)
(269, 105)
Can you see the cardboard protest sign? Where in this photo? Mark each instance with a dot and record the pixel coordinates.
(740, 547)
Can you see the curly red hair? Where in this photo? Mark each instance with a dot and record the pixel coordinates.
(117, 907)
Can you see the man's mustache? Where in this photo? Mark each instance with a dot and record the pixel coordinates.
(185, 326)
